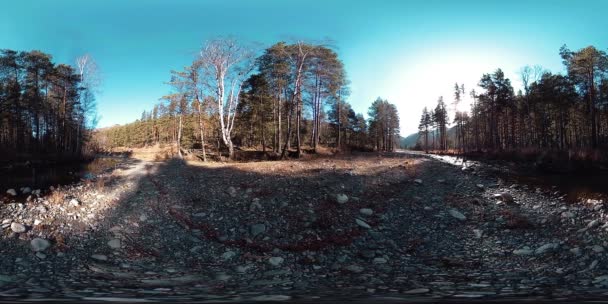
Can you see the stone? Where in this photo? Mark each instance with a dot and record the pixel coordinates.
(480, 186)
(593, 224)
(271, 298)
(17, 228)
(26, 190)
(232, 191)
(36, 192)
(456, 214)
(114, 243)
(257, 229)
(366, 211)
(546, 248)
(11, 192)
(275, 261)
(37, 222)
(418, 181)
(597, 248)
(354, 268)
(576, 251)
(362, 224)
(228, 255)
(99, 257)
(505, 197)
(593, 264)
(417, 291)
(567, 214)
(341, 198)
(39, 244)
(379, 261)
(523, 251)
(74, 202)
(478, 233)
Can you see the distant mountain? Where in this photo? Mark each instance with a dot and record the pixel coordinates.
(409, 141)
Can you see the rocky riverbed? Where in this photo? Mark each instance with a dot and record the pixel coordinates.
(396, 226)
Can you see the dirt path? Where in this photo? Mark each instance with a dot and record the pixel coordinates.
(398, 226)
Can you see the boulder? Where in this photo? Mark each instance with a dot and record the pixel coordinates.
(39, 244)
(17, 228)
(341, 198)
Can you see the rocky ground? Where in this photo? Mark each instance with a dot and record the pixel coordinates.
(392, 227)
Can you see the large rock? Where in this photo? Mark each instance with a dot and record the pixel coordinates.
(114, 243)
(11, 192)
(39, 244)
(257, 229)
(505, 197)
(341, 198)
(546, 248)
(17, 228)
(457, 214)
(275, 261)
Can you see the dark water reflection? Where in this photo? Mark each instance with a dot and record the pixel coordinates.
(44, 176)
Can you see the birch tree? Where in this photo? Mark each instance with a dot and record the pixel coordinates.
(225, 64)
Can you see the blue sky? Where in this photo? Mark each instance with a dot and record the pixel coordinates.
(409, 52)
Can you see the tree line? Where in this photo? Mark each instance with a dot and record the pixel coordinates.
(46, 109)
(289, 97)
(552, 111)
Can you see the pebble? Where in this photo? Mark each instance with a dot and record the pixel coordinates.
(99, 257)
(457, 214)
(366, 211)
(362, 224)
(11, 192)
(354, 268)
(567, 214)
(232, 191)
(257, 229)
(74, 202)
(417, 291)
(379, 261)
(523, 251)
(228, 255)
(418, 181)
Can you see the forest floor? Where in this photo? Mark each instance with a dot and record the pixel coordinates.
(392, 227)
